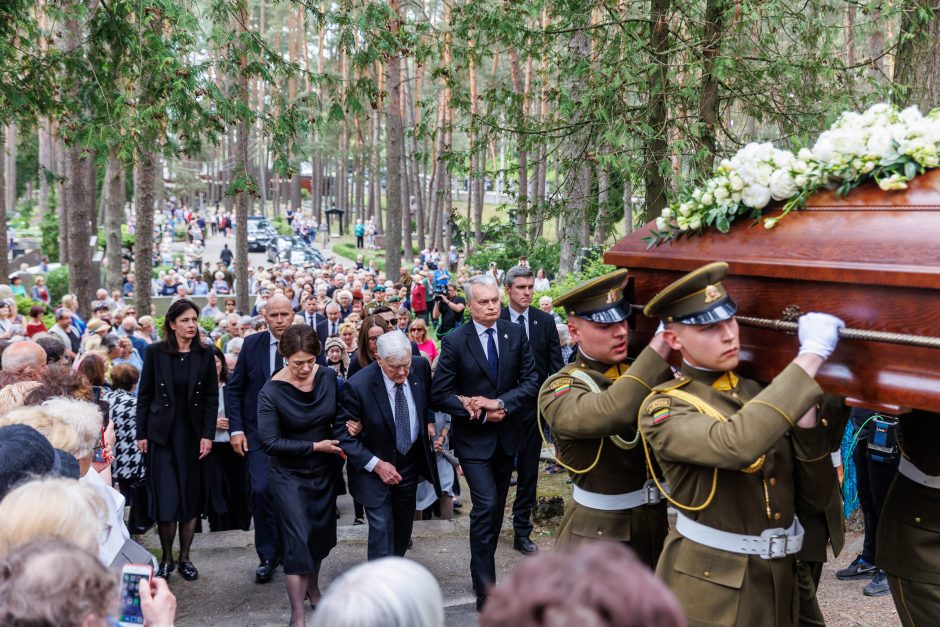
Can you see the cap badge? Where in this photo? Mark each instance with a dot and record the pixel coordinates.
(711, 294)
(613, 296)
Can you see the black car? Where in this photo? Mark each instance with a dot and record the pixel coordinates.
(277, 246)
(303, 256)
(260, 232)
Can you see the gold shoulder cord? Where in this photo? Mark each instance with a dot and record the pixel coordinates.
(616, 439)
(703, 408)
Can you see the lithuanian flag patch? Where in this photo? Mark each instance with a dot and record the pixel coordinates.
(658, 410)
(560, 386)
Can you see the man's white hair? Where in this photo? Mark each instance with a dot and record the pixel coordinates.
(333, 306)
(479, 280)
(389, 592)
(393, 344)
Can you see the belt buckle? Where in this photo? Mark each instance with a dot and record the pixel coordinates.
(776, 546)
(652, 493)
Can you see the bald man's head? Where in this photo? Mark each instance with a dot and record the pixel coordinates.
(278, 314)
(27, 358)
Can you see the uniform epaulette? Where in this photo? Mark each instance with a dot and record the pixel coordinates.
(671, 385)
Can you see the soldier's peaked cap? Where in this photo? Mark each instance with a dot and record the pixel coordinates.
(600, 299)
(696, 298)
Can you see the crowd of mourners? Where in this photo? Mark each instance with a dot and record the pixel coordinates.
(90, 461)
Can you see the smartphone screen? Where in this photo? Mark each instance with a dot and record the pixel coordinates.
(130, 613)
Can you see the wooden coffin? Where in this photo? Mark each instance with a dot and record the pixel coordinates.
(872, 258)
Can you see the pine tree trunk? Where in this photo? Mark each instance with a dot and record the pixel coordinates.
(144, 197)
(917, 68)
(114, 217)
(241, 165)
(708, 92)
(4, 245)
(61, 203)
(46, 164)
(657, 148)
(78, 200)
(394, 139)
(12, 137)
(522, 193)
(603, 198)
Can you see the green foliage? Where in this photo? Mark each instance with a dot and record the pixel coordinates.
(24, 304)
(57, 282)
(49, 230)
(349, 251)
(281, 225)
(179, 232)
(207, 323)
(504, 246)
(158, 269)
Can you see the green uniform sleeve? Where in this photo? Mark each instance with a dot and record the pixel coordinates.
(574, 411)
(677, 432)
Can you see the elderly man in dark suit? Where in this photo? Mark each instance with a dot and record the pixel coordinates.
(546, 353)
(257, 361)
(486, 380)
(389, 398)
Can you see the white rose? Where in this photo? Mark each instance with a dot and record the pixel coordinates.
(661, 223)
(755, 196)
(893, 182)
(880, 144)
(721, 194)
(695, 224)
(736, 182)
(800, 180)
(707, 199)
(667, 213)
(824, 150)
(762, 174)
(782, 185)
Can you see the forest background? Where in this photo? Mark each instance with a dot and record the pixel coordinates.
(540, 126)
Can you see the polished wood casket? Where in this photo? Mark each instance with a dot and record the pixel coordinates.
(871, 258)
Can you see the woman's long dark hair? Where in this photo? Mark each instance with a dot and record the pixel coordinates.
(223, 375)
(363, 350)
(177, 309)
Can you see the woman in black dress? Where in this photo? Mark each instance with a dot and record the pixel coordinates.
(227, 501)
(177, 404)
(296, 410)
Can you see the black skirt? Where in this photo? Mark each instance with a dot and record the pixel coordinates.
(227, 500)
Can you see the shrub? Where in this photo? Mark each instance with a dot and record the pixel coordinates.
(207, 323)
(49, 234)
(281, 226)
(506, 252)
(57, 282)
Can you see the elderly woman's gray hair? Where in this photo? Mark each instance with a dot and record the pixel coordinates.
(480, 280)
(393, 344)
(234, 346)
(562, 332)
(390, 592)
(83, 417)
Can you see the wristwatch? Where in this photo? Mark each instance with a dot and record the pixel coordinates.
(500, 404)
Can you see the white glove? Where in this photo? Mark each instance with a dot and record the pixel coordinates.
(819, 334)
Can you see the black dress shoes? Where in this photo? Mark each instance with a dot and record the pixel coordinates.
(524, 545)
(165, 569)
(188, 571)
(265, 571)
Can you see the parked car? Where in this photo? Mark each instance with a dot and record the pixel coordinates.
(303, 256)
(260, 232)
(278, 245)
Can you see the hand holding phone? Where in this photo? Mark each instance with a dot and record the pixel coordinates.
(158, 603)
(131, 613)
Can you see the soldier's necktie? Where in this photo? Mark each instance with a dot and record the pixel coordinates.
(491, 355)
(278, 358)
(402, 420)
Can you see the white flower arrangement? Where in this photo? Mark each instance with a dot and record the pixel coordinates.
(883, 144)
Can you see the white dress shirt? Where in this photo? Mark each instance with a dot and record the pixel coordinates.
(514, 316)
(273, 351)
(412, 411)
(484, 338)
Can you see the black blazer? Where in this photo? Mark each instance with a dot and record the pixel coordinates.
(156, 401)
(366, 399)
(462, 370)
(251, 372)
(543, 340)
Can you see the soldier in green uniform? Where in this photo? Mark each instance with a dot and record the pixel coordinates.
(826, 527)
(908, 543)
(591, 406)
(738, 458)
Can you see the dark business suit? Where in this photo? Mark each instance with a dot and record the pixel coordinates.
(485, 449)
(252, 371)
(319, 325)
(546, 353)
(390, 509)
